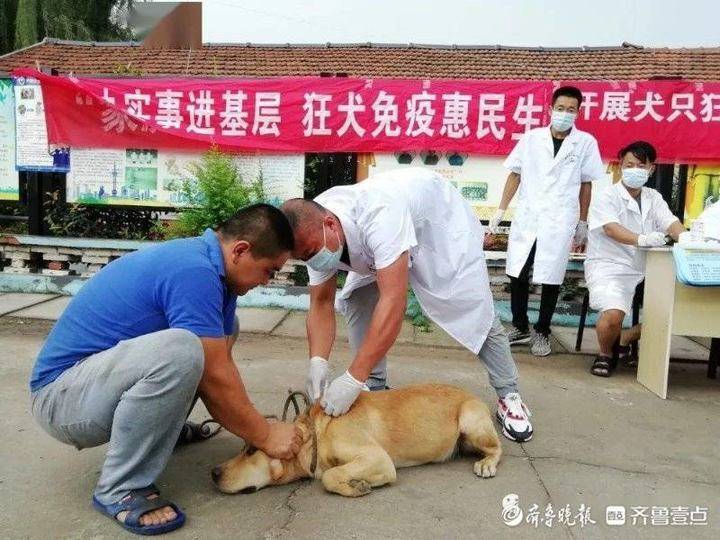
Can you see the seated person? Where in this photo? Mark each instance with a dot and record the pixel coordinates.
(623, 217)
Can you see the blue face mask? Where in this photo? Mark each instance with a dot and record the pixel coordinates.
(325, 260)
(635, 177)
(562, 120)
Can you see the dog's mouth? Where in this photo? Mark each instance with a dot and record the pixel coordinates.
(248, 490)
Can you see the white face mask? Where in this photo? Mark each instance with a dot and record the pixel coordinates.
(635, 177)
(325, 260)
(562, 120)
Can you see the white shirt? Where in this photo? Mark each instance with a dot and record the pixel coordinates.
(378, 227)
(605, 256)
(548, 207)
(416, 210)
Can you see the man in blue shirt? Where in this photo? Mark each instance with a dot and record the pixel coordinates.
(136, 344)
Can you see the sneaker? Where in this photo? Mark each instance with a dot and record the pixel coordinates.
(513, 416)
(540, 344)
(518, 337)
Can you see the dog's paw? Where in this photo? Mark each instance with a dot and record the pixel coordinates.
(359, 487)
(485, 468)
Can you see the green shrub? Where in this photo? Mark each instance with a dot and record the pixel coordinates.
(9, 225)
(415, 313)
(215, 194)
(299, 277)
(96, 221)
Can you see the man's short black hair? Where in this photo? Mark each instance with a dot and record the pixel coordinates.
(642, 150)
(264, 226)
(568, 91)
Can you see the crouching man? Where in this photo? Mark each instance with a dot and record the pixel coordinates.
(147, 332)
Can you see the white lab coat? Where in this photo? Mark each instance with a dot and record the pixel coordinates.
(416, 210)
(608, 259)
(547, 208)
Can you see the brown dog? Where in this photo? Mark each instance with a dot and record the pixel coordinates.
(383, 430)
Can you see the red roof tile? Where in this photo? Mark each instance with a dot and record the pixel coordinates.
(627, 62)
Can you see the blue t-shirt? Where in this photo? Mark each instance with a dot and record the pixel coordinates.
(177, 284)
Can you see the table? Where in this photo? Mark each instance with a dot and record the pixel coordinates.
(671, 308)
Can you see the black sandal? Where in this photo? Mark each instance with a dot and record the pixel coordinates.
(625, 354)
(602, 366)
(192, 432)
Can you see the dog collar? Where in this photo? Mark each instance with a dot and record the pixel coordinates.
(292, 400)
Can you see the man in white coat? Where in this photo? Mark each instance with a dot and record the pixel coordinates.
(553, 167)
(402, 226)
(623, 218)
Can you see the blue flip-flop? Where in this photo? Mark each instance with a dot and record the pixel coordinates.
(137, 504)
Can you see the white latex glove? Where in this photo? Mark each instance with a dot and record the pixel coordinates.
(495, 221)
(341, 394)
(653, 239)
(317, 379)
(581, 233)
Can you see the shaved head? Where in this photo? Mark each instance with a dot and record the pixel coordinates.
(300, 212)
(313, 226)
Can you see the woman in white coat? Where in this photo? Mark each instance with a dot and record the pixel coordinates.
(553, 168)
(623, 218)
(409, 225)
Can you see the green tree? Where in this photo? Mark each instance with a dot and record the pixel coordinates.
(8, 10)
(84, 19)
(28, 21)
(27, 30)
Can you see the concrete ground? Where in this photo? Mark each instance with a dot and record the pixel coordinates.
(599, 442)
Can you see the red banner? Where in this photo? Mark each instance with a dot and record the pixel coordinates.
(681, 118)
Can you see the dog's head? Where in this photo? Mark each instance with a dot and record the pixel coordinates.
(253, 469)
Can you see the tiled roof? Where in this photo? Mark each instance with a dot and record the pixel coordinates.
(626, 62)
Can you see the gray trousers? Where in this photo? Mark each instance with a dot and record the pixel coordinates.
(136, 396)
(495, 352)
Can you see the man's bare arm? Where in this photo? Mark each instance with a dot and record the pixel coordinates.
(321, 318)
(386, 320)
(585, 196)
(223, 392)
(511, 186)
